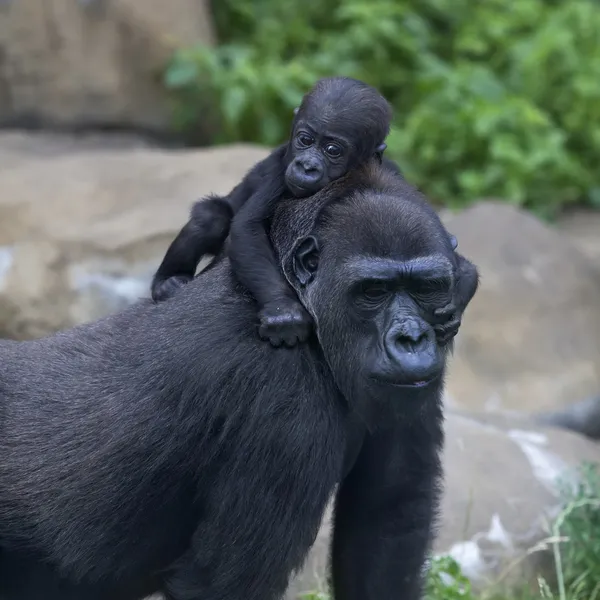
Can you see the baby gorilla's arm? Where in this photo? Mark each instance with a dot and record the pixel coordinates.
(283, 320)
(465, 286)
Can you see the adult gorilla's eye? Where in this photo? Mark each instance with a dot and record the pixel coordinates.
(333, 150)
(305, 139)
(374, 291)
(431, 292)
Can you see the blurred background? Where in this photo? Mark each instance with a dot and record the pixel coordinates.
(115, 115)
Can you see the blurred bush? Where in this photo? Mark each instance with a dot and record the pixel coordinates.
(491, 98)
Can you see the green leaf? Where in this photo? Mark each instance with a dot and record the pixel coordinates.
(233, 104)
(594, 196)
(181, 74)
(489, 98)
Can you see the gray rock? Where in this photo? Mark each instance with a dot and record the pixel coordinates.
(19, 148)
(582, 228)
(531, 337)
(72, 64)
(81, 233)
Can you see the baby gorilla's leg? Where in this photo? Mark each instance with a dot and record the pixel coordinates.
(204, 233)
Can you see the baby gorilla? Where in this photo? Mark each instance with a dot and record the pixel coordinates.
(340, 124)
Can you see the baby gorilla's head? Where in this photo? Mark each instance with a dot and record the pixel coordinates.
(341, 123)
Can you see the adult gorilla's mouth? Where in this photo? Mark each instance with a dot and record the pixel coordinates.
(417, 384)
(423, 383)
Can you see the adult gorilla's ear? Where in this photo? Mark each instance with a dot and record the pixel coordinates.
(453, 242)
(296, 110)
(306, 260)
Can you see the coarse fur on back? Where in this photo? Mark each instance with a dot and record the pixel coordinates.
(122, 437)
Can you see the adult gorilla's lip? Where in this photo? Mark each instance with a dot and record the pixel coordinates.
(419, 384)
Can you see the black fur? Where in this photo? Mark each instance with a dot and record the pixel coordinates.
(166, 448)
(339, 115)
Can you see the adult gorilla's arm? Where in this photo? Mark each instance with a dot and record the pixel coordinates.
(384, 513)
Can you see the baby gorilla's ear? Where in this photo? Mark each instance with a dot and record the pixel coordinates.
(378, 154)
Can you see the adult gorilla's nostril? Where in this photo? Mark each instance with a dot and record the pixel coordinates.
(411, 336)
(412, 343)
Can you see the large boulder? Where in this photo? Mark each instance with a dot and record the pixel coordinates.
(82, 232)
(93, 62)
(531, 337)
(18, 148)
(503, 482)
(582, 227)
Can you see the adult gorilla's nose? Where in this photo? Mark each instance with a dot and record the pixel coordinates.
(409, 335)
(411, 347)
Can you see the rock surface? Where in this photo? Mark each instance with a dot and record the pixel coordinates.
(531, 337)
(93, 62)
(502, 485)
(582, 227)
(82, 232)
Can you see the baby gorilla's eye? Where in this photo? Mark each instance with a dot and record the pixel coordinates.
(305, 139)
(333, 150)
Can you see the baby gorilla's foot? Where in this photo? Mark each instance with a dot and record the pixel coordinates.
(284, 322)
(447, 331)
(167, 288)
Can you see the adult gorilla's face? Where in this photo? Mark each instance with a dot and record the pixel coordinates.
(372, 274)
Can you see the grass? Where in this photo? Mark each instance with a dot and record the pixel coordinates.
(573, 540)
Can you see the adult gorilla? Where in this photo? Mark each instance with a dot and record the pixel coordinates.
(168, 448)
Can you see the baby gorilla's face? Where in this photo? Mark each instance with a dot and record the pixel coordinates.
(320, 153)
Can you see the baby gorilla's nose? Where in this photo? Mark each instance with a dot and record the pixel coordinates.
(305, 177)
(311, 169)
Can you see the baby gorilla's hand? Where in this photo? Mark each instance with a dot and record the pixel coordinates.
(168, 287)
(284, 322)
(447, 330)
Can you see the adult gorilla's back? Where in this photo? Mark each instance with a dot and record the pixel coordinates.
(168, 448)
(117, 437)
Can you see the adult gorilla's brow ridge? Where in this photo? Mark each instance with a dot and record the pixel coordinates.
(434, 267)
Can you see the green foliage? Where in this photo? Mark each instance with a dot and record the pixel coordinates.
(491, 98)
(446, 581)
(578, 558)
